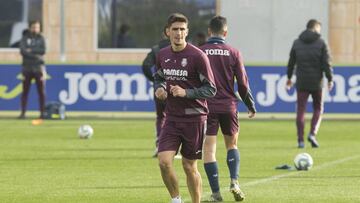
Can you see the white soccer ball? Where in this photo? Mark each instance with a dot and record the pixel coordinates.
(303, 161)
(85, 131)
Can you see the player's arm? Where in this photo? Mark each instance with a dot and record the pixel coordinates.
(291, 63)
(326, 65)
(290, 67)
(41, 49)
(159, 82)
(243, 84)
(26, 51)
(208, 88)
(148, 64)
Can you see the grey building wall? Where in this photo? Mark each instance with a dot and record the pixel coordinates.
(264, 30)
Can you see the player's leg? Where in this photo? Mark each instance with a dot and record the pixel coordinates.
(316, 118)
(210, 163)
(169, 142)
(168, 173)
(160, 115)
(302, 97)
(230, 128)
(233, 155)
(191, 150)
(233, 162)
(193, 179)
(26, 88)
(40, 85)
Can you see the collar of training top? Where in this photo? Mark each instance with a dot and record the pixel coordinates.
(216, 40)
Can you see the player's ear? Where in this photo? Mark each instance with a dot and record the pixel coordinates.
(209, 32)
(225, 33)
(167, 31)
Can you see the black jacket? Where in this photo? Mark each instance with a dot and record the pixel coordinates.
(32, 48)
(311, 56)
(150, 60)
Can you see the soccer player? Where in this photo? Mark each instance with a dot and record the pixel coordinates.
(32, 49)
(184, 79)
(148, 69)
(311, 56)
(227, 65)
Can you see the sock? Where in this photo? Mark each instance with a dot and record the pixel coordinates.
(176, 199)
(233, 161)
(213, 176)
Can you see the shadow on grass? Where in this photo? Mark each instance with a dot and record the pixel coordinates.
(245, 179)
(78, 158)
(121, 187)
(99, 149)
(79, 118)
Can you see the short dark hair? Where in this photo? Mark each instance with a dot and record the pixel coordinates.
(124, 28)
(218, 24)
(34, 22)
(311, 23)
(176, 17)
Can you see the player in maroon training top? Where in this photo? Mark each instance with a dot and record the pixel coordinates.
(227, 65)
(184, 78)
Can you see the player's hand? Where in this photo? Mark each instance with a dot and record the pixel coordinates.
(177, 91)
(160, 93)
(251, 114)
(330, 85)
(289, 84)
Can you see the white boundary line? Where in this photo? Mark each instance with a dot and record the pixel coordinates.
(289, 174)
(276, 177)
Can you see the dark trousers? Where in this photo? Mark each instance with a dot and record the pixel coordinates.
(39, 77)
(302, 98)
(160, 115)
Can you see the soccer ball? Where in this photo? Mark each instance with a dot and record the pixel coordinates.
(303, 161)
(85, 131)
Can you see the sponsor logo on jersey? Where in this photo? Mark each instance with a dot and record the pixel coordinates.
(175, 74)
(217, 52)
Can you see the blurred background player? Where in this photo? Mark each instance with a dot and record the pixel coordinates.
(148, 68)
(184, 78)
(311, 56)
(227, 65)
(32, 49)
(124, 39)
(199, 39)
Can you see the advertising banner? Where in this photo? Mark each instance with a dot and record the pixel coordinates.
(125, 88)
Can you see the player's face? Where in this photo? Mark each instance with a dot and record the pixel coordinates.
(35, 28)
(317, 28)
(177, 33)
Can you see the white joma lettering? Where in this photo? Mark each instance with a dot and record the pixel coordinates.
(217, 52)
(275, 83)
(107, 87)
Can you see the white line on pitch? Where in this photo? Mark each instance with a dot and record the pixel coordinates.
(276, 177)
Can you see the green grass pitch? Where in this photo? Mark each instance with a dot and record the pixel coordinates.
(49, 163)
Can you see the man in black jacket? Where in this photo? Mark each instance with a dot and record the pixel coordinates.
(311, 56)
(32, 49)
(148, 68)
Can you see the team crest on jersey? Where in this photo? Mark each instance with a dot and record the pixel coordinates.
(183, 62)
